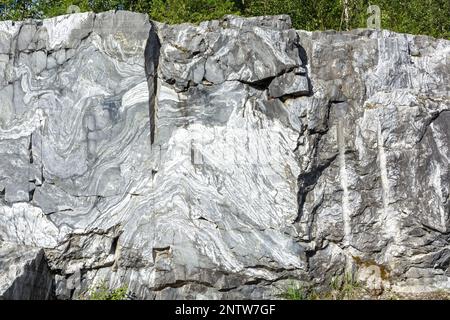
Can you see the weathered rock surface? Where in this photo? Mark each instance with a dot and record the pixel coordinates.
(25, 273)
(223, 160)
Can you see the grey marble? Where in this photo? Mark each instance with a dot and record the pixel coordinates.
(25, 273)
(226, 160)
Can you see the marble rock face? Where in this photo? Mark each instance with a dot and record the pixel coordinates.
(222, 160)
(25, 273)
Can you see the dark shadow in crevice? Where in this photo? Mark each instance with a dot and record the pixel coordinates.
(151, 55)
(304, 58)
(259, 85)
(36, 282)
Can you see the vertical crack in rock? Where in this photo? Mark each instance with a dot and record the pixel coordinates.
(151, 53)
(31, 179)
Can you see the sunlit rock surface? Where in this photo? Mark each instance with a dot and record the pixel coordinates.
(224, 160)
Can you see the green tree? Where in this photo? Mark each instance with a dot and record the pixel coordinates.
(19, 9)
(52, 8)
(409, 16)
(178, 11)
(305, 14)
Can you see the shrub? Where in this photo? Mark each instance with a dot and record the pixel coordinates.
(102, 292)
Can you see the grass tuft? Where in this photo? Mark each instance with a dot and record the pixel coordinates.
(102, 292)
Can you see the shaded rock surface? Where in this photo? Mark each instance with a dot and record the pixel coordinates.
(25, 274)
(223, 160)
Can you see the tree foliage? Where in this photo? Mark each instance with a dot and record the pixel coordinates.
(308, 15)
(430, 17)
(178, 11)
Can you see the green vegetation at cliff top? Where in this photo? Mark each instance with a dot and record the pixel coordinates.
(430, 17)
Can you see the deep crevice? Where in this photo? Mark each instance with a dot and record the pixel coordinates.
(114, 243)
(260, 85)
(151, 54)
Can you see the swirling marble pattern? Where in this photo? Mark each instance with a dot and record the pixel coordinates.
(223, 160)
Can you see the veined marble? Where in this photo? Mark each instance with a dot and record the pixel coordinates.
(220, 160)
